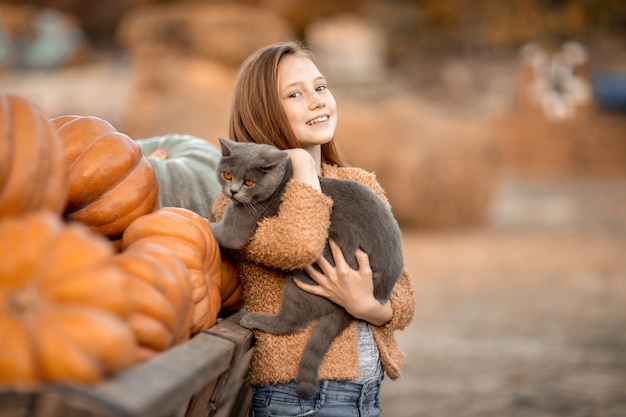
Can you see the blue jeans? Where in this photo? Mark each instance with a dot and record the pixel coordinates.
(332, 399)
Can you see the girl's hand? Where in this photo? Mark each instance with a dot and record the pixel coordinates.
(304, 168)
(350, 288)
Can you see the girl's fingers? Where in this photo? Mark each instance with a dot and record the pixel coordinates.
(314, 273)
(313, 289)
(337, 253)
(363, 259)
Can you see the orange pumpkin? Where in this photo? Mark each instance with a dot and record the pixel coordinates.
(187, 235)
(110, 182)
(63, 303)
(161, 295)
(181, 295)
(32, 161)
(231, 290)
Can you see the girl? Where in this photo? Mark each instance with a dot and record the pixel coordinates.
(282, 99)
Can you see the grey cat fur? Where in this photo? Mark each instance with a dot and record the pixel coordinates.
(359, 219)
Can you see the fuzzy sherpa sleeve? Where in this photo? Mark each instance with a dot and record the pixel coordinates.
(402, 303)
(219, 207)
(295, 237)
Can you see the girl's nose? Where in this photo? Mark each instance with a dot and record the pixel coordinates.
(318, 101)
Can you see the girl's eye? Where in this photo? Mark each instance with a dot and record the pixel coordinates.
(294, 95)
(249, 183)
(321, 88)
(227, 176)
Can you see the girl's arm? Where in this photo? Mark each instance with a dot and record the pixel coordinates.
(295, 237)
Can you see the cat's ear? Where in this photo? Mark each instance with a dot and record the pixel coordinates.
(226, 145)
(275, 157)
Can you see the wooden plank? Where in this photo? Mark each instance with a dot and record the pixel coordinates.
(202, 405)
(235, 397)
(54, 404)
(219, 399)
(16, 403)
(161, 385)
(241, 404)
(231, 330)
(210, 401)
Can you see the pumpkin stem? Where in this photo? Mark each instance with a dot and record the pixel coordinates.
(20, 302)
(159, 154)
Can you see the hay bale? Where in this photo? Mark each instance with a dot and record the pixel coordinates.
(185, 58)
(179, 94)
(226, 33)
(437, 173)
(360, 57)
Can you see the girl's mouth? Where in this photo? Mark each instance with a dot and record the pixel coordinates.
(317, 120)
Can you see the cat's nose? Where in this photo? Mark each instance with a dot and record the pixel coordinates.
(234, 190)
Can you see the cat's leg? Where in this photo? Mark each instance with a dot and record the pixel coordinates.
(216, 229)
(273, 323)
(290, 319)
(232, 236)
(325, 331)
(297, 309)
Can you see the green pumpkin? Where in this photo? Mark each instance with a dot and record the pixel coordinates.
(185, 167)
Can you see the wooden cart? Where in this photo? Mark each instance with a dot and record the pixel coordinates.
(201, 377)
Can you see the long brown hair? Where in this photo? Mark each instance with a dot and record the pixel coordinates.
(256, 113)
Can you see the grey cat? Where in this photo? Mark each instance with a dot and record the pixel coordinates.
(253, 176)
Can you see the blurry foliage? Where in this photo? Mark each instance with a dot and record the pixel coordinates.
(98, 19)
(495, 24)
(450, 25)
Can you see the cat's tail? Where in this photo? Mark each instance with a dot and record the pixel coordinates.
(324, 332)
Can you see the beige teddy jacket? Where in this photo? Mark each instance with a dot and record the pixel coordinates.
(293, 239)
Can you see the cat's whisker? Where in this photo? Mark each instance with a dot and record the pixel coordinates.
(253, 206)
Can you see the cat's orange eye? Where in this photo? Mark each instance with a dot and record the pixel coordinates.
(249, 183)
(227, 176)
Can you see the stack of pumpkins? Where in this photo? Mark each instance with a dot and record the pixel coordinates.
(95, 274)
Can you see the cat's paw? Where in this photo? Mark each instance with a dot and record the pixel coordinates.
(248, 321)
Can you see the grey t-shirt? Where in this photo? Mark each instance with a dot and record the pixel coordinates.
(370, 366)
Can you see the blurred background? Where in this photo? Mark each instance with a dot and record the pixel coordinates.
(498, 129)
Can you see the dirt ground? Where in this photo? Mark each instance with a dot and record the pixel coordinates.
(524, 317)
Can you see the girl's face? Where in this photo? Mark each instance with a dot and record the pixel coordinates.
(307, 102)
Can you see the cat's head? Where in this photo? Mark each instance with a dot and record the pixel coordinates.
(250, 172)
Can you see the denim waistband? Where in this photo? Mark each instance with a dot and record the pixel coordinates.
(333, 398)
(348, 391)
(334, 390)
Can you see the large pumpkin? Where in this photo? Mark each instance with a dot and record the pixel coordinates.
(63, 303)
(161, 296)
(187, 235)
(110, 182)
(180, 295)
(231, 289)
(32, 161)
(185, 167)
